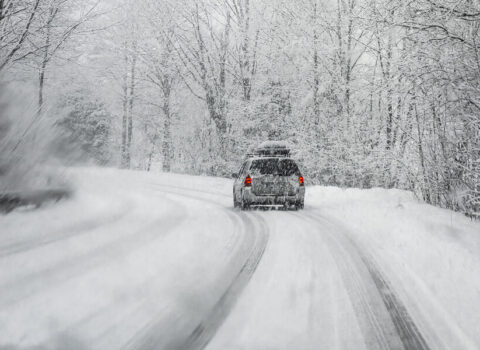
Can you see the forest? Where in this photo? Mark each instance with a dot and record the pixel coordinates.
(368, 93)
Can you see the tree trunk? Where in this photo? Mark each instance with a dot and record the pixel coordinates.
(167, 140)
(45, 58)
(125, 116)
(150, 156)
(131, 98)
(421, 155)
(316, 73)
(348, 67)
(41, 84)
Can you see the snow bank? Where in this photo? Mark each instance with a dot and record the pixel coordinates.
(96, 270)
(320, 195)
(432, 254)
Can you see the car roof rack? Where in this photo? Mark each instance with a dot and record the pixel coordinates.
(272, 149)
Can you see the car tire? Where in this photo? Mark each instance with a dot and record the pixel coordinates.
(299, 205)
(244, 205)
(235, 202)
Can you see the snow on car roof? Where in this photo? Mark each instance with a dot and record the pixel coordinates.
(273, 149)
(255, 157)
(273, 144)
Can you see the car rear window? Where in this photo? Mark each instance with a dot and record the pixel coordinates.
(274, 166)
(287, 167)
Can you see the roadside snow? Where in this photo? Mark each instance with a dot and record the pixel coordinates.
(94, 271)
(431, 254)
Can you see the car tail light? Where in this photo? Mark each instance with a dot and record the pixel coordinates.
(248, 181)
(300, 181)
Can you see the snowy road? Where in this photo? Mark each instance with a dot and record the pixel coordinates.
(145, 261)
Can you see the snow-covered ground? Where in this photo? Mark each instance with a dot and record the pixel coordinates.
(155, 261)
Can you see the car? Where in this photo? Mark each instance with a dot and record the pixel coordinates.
(269, 177)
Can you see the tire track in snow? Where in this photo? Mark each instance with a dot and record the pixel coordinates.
(206, 330)
(166, 188)
(254, 243)
(78, 229)
(15, 291)
(62, 234)
(352, 260)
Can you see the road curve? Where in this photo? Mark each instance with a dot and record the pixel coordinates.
(365, 269)
(244, 260)
(384, 321)
(176, 267)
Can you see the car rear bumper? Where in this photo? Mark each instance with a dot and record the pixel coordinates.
(252, 199)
